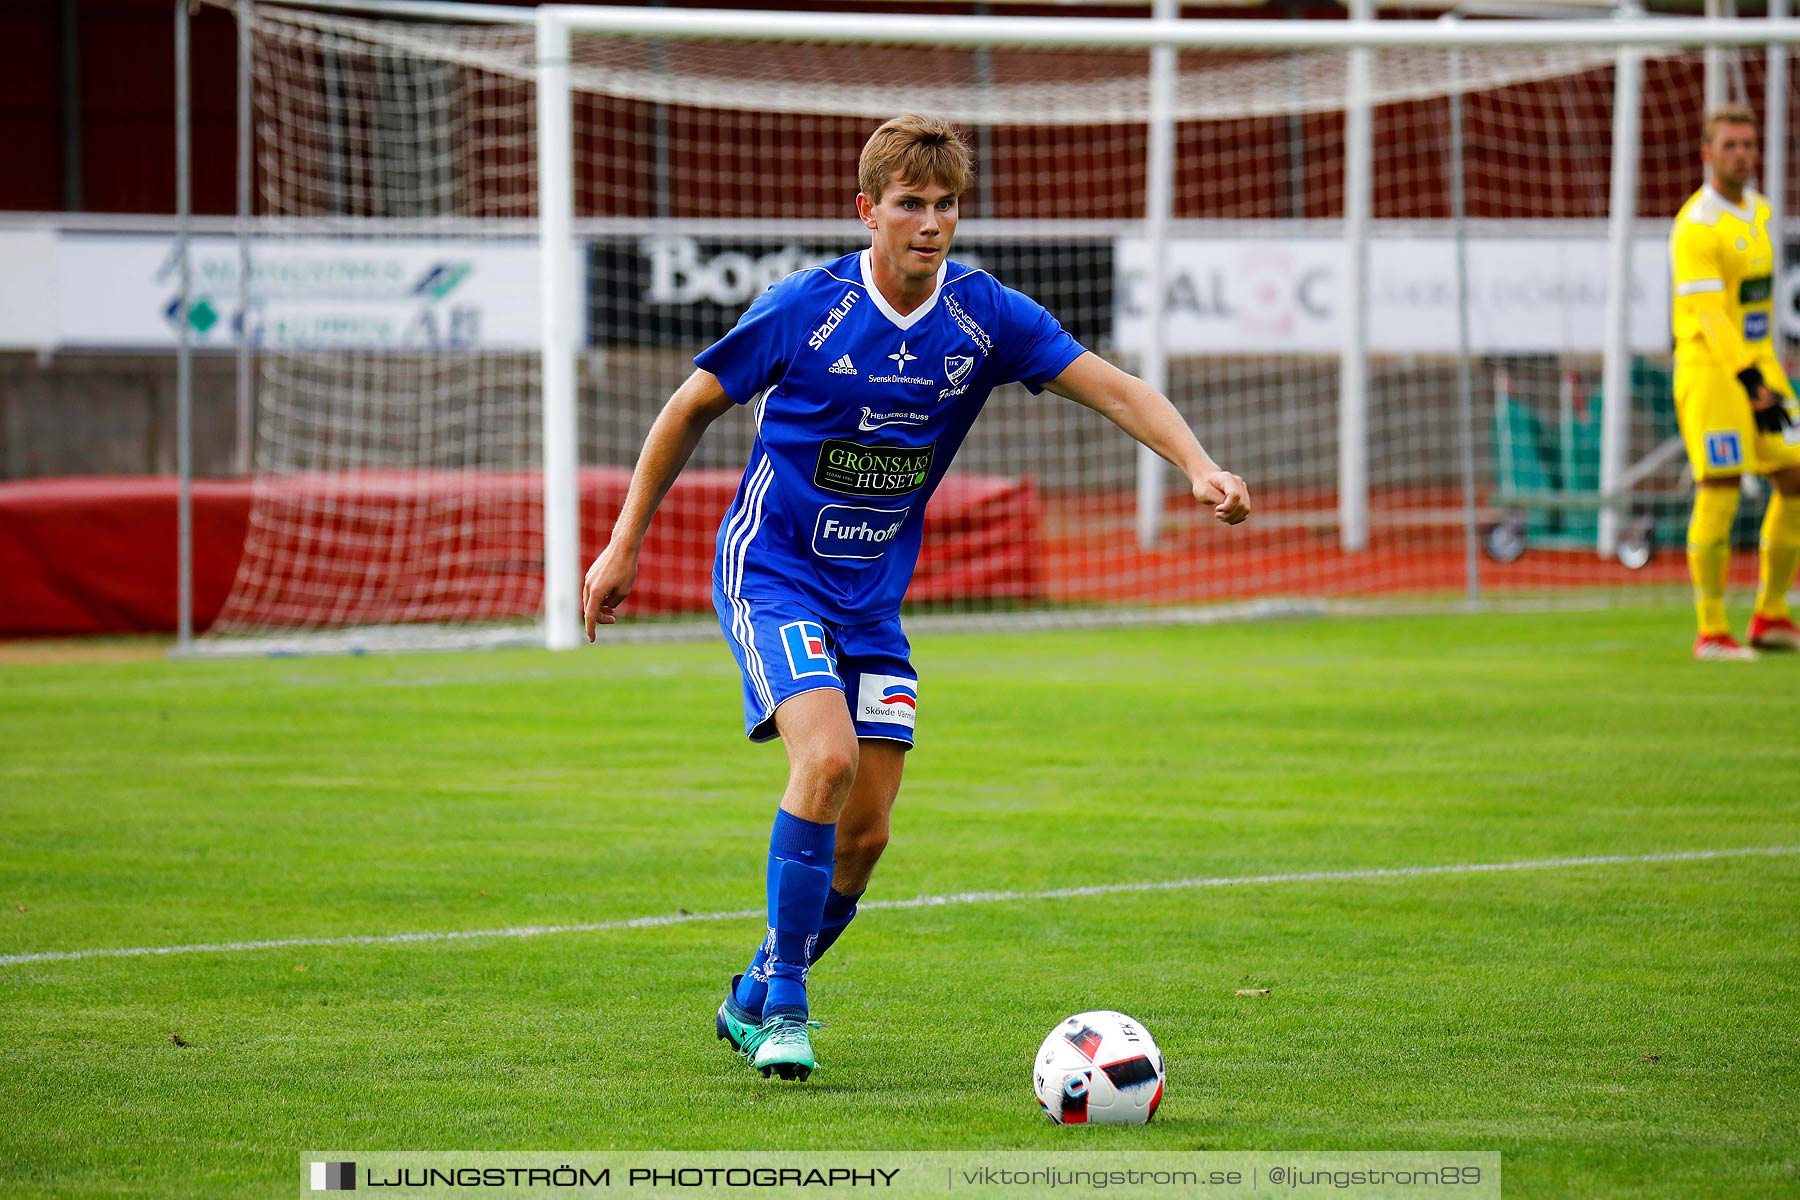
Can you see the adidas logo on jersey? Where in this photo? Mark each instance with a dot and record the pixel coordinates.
(843, 366)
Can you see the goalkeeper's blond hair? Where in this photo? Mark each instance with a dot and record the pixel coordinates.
(919, 150)
(1726, 114)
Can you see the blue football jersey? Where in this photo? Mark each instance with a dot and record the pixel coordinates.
(860, 412)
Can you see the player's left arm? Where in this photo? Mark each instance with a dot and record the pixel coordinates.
(1146, 414)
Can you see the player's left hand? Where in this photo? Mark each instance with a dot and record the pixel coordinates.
(1227, 493)
(1771, 412)
(1766, 404)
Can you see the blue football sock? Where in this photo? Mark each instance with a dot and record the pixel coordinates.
(799, 880)
(839, 910)
(753, 988)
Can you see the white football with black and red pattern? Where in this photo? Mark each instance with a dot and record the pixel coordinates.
(1099, 1068)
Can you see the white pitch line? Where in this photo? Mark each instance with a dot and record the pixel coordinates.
(954, 898)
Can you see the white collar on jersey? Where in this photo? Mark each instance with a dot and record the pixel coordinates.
(1746, 214)
(887, 310)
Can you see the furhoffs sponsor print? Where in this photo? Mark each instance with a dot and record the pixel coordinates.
(851, 531)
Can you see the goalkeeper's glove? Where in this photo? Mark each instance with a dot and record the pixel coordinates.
(1772, 419)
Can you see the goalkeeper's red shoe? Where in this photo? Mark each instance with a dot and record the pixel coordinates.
(1721, 646)
(1774, 633)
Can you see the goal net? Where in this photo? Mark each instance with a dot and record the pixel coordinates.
(396, 312)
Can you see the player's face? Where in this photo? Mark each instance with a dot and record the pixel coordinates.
(1731, 154)
(912, 225)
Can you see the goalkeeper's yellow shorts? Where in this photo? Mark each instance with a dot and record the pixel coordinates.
(1720, 429)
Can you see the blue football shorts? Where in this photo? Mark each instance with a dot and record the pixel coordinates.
(783, 648)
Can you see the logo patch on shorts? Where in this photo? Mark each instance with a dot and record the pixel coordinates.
(1756, 326)
(804, 642)
(890, 699)
(1723, 449)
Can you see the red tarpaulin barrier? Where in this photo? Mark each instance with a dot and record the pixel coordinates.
(98, 555)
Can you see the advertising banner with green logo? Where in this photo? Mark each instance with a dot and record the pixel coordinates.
(120, 291)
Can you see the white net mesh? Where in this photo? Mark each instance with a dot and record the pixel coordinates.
(398, 482)
(398, 493)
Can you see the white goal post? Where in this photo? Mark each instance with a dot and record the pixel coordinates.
(558, 51)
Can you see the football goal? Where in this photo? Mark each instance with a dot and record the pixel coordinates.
(1407, 276)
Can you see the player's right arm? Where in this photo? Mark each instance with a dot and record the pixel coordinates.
(1699, 299)
(1699, 302)
(695, 405)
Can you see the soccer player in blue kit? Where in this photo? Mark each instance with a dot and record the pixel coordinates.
(865, 374)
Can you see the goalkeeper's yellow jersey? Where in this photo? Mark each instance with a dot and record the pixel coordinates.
(1724, 286)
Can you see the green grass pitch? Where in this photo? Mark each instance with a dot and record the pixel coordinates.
(1612, 1029)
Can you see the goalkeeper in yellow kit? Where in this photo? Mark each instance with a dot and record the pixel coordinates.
(1734, 401)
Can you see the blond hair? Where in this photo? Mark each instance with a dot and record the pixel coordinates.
(1729, 114)
(919, 150)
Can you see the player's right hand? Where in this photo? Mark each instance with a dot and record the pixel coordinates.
(607, 583)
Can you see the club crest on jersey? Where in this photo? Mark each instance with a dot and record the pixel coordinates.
(887, 699)
(959, 370)
(1723, 449)
(804, 642)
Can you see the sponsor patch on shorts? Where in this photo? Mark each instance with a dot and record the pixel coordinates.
(1724, 449)
(891, 699)
(804, 642)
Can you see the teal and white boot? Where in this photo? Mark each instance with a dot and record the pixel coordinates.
(782, 1045)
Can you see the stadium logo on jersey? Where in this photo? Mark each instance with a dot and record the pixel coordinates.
(833, 318)
(888, 699)
(968, 325)
(852, 469)
(872, 420)
(846, 531)
(900, 359)
(844, 366)
(804, 642)
(1723, 449)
